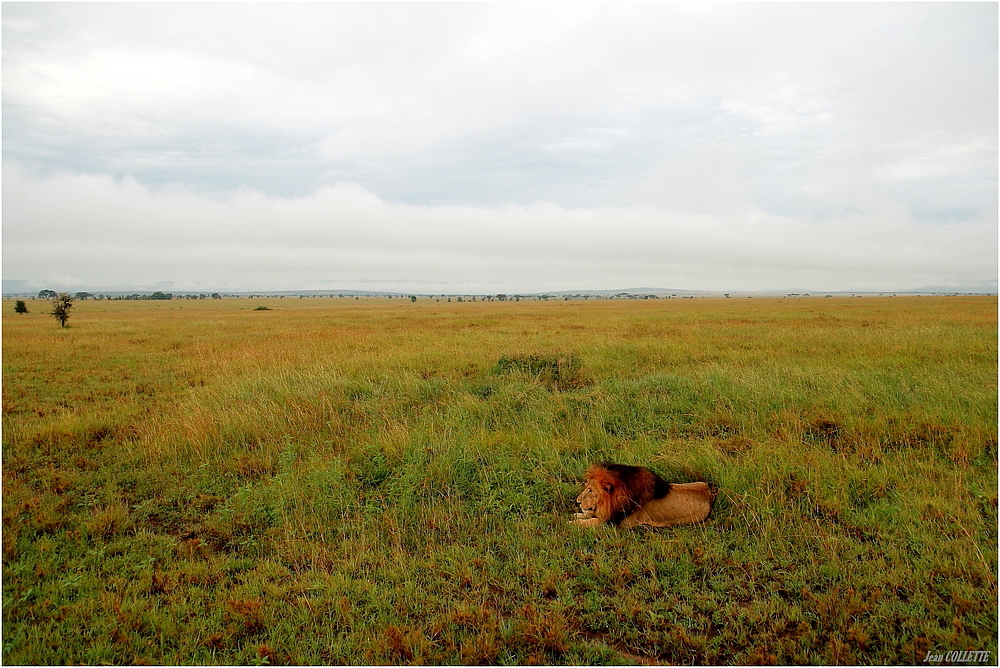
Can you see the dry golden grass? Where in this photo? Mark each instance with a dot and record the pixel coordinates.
(366, 481)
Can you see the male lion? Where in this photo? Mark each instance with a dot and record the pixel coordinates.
(631, 495)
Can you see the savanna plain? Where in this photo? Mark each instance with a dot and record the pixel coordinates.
(377, 481)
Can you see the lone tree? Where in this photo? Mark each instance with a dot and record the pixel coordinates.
(19, 307)
(61, 304)
(46, 294)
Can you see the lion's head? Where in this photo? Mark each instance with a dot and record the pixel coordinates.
(612, 490)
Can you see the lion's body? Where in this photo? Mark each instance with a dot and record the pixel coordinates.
(630, 495)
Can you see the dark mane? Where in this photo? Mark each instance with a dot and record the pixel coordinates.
(660, 486)
(624, 488)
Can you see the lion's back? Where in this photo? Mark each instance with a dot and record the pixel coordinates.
(687, 503)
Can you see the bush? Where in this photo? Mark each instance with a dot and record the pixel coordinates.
(557, 372)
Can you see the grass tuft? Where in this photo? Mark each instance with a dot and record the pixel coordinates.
(556, 372)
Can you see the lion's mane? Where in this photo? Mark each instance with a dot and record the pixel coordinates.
(622, 489)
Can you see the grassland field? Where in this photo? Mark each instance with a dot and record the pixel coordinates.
(340, 481)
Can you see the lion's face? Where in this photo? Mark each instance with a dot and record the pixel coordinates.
(588, 498)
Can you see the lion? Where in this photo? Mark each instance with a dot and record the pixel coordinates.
(629, 496)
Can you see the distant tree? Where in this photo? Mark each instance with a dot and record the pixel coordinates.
(46, 294)
(160, 295)
(413, 298)
(61, 304)
(19, 307)
(83, 295)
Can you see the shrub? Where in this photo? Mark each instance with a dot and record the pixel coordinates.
(557, 372)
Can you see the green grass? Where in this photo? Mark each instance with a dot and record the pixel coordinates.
(375, 481)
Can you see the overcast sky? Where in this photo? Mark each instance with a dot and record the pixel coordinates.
(499, 147)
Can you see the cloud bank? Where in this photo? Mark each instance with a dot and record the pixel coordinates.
(99, 231)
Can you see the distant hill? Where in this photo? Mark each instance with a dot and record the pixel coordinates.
(630, 291)
(979, 288)
(20, 288)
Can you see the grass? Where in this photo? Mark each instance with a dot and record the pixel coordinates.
(379, 481)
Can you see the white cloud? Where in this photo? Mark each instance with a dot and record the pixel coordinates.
(940, 161)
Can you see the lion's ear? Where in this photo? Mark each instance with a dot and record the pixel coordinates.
(607, 487)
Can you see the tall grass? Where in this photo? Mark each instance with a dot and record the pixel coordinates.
(368, 481)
